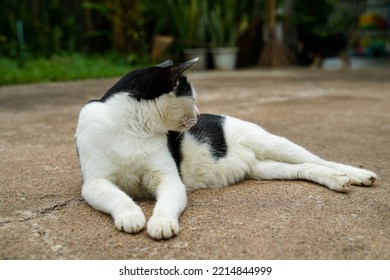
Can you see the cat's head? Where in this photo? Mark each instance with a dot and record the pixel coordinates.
(167, 87)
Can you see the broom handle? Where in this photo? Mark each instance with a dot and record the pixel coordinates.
(272, 14)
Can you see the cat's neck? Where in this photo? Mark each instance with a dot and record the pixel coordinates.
(143, 118)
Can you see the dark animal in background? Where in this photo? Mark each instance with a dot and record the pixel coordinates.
(313, 49)
(250, 43)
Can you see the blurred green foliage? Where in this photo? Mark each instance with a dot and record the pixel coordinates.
(62, 67)
(40, 37)
(49, 26)
(67, 26)
(325, 17)
(124, 26)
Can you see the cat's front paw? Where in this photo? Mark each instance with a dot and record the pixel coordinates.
(163, 228)
(339, 182)
(131, 221)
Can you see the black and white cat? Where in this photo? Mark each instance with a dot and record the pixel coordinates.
(146, 138)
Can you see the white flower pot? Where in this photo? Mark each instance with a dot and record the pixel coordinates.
(224, 58)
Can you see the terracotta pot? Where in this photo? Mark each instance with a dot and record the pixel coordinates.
(159, 46)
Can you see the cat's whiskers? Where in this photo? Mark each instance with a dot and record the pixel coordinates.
(178, 136)
(187, 125)
(180, 124)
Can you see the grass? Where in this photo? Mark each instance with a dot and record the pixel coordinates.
(62, 68)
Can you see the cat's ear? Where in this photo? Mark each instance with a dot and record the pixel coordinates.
(165, 64)
(178, 69)
(153, 82)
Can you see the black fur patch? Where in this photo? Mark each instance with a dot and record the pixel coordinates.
(183, 88)
(174, 144)
(152, 82)
(209, 130)
(144, 84)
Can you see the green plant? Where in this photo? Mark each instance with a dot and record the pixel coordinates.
(48, 27)
(127, 22)
(325, 17)
(189, 21)
(226, 21)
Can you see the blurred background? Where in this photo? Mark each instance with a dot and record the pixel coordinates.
(50, 40)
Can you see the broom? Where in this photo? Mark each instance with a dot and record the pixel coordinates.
(274, 53)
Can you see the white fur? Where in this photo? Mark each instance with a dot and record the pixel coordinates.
(122, 147)
(255, 153)
(123, 153)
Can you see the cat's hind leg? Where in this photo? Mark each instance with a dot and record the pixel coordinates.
(286, 151)
(276, 148)
(104, 196)
(357, 176)
(274, 170)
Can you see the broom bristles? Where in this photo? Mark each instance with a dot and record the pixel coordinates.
(273, 54)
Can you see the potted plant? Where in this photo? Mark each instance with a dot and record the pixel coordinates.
(190, 21)
(225, 24)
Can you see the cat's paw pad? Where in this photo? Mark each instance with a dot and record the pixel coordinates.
(132, 221)
(362, 177)
(163, 228)
(340, 182)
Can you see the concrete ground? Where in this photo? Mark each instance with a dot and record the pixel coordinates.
(341, 115)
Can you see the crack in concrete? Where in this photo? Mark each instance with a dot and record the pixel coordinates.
(42, 212)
